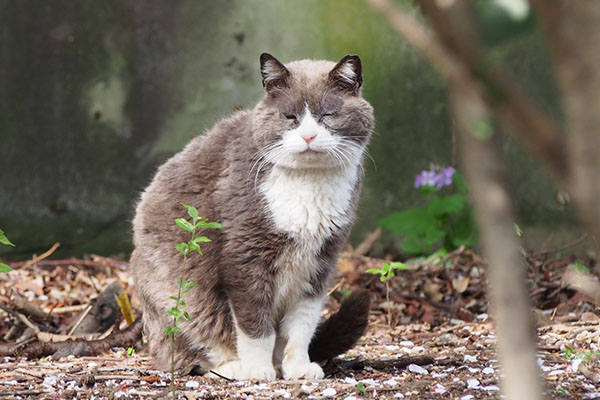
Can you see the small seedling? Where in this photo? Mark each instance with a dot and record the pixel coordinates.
(130, 352)
(586, 356)
(185, 248)
(360, 388)
(562, 390)
(578, 267)
(386, 273)
(4, 240)
(518, 229)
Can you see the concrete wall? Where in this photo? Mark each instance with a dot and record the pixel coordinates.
(94, 95)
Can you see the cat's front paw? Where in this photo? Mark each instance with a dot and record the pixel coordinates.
(308, 370)
(239, 371)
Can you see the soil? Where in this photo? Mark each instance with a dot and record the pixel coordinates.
(434, 337)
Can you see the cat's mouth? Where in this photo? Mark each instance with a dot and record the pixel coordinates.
(311, 151)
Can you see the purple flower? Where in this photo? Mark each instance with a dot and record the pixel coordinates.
(426, 178)
(435, 177)
(444, 178)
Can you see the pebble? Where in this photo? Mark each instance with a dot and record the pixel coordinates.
(417, 369)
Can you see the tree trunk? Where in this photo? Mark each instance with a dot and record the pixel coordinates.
(486, 176)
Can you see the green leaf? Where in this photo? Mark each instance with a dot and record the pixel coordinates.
(569, 353)
(183, 248)
(432, 236)
(5, 268)
(360, 388)
(399, 265)
(182, 303)
(416, 221)
(174, 298)
(4, 239)
(209, 225)
(192, 211)
(374, 271)
(184, 224)
(201, 239)
(189, 284)
(575, 266)
(187, 316)
(413, 245)
(463, 231)
(460, 184)
(518, 230)
(451, 204)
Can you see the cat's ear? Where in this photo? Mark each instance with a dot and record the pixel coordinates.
(347, 74)
(274, 73)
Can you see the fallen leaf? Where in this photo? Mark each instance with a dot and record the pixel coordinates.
(461, 284)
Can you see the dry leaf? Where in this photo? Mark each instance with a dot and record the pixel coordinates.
(432, 290)
(461, 284)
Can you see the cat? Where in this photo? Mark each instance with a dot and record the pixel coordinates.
(283, 179)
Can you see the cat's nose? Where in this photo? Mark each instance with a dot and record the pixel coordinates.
(308, 137)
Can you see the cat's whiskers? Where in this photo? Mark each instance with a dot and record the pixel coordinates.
(260, 155)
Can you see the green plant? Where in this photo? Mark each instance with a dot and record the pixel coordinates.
(446, 220)
(360, 388)
(585, 356)
(386, 273)
(562, 390)
(4, 240)
(578, 267)
(185, 248)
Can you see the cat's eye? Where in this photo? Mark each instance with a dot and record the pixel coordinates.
(323, 116)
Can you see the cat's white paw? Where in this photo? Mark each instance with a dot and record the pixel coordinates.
(237, 370)
(308, 370)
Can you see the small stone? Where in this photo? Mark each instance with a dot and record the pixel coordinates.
(469, 358)
(329, 392)
(192, 384)
(473, 383)
(417, 369)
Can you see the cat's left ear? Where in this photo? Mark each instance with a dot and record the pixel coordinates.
(347, 74)
(274, 73)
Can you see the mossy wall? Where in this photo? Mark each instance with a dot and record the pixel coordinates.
(94, 95)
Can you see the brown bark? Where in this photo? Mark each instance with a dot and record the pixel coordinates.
(573, 30)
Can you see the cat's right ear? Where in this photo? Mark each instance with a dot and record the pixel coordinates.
(274, 73)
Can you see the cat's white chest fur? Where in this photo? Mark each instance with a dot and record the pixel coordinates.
(309, 206)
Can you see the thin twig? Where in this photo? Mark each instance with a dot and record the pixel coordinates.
(21, 317)
(42, 256)
(67, 309)
(566, 246)
(80, 319)
(220, 376)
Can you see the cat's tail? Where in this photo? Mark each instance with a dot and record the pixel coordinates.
(341, 331)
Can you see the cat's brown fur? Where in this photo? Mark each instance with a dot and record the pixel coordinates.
(220, 174)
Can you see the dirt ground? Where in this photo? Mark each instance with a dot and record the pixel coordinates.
(433, 339)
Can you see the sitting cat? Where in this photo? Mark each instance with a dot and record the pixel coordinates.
(284, 180)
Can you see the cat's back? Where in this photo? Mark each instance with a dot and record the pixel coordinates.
(190, 175)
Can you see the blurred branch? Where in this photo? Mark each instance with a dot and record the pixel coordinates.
(573, 32)
(458, 65)
(486, 175)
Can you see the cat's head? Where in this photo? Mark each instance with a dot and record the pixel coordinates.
(312, 115)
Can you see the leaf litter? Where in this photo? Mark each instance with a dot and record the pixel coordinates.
(439, 343)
